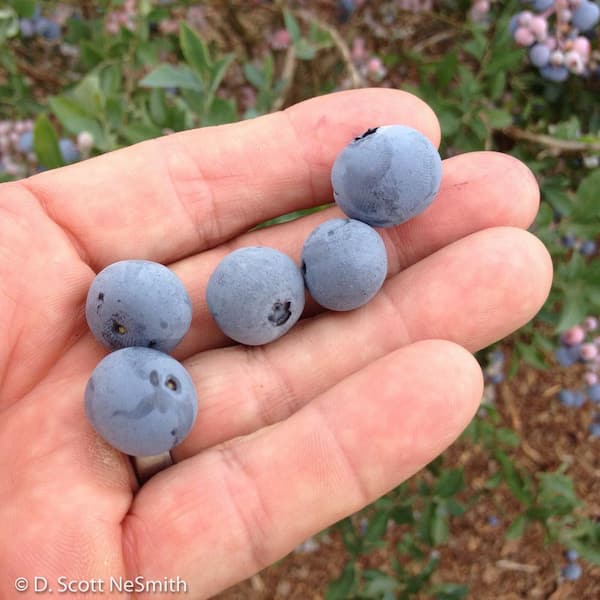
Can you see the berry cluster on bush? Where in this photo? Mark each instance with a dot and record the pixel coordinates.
(554, 31)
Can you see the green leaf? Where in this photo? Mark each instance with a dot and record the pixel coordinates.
(305, 50)
(254, 75)
(89, 95)
(342, 587)
(165, 76)
(45, 143)
(531, 356)
(221, 111)
(25, 8)
(498, 119)
(440, 526)
(74, 118)
(217, 74)
(195, 51)
(138, 132)
(9, 23)
(157, 107)
(292, 26)
(449, 483)
(573, 310)
(377, 527)
(588, 199)
(449, 591)
(517, 527)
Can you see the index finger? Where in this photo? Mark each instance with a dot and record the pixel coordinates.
(172, 197)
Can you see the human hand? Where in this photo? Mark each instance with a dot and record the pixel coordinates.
(290, 437)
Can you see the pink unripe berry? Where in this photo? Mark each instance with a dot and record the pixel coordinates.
(481, 6)
(539, 27)
(551, 42)
(13, 136)
(85, 141)
(590, 378)
(574, 62)
(582, 46)
(524, 37)
(590, 324)
(525, 18)
(573, 336)
(564, 15)
(588, 351)
(358, 49)
(557, 58)
(375, 65)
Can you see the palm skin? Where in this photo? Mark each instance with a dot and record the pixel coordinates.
(290, 437)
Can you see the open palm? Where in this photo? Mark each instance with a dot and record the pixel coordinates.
(290, 437)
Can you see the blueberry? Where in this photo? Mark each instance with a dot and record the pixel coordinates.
(138, 303)
(386, 176)
(571, 572)
(571, 555)
(539, 55)
(586, 15)
(493, 520)
(594, 393)
(570, 398)
(556, 74)
(542, 5)
(68, 150)
(594, 430)
(588, 248)
(51, 31)
(344, 264)
(141, 401)
(345, 8)
(495, 378)
(25, 143)
(255, 295)
(27, 28)
(567, 355)
(568, 240)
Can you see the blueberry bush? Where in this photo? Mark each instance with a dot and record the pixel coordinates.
(78, 79)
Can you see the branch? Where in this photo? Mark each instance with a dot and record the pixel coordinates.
(340, 43)
(548, 141)
(287, 75)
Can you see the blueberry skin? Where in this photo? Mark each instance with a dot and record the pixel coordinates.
(68, 150)
(25, 143)
(571, 572)
(542, 5)
(539, 55)
(138, 303)
(556, 74)
(571, 555)
(344, 264)
(255, 295)
(594, 393)
(141, 401)
(570, 398)
(585, 16)
(588, 248)
(567, 355)
(386, 176)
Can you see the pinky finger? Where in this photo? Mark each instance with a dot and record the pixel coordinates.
(228, 512)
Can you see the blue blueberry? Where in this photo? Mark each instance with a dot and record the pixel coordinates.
(571, 572)
(513, 25)
(568, 240)
(493, 520)
(141, 401)
(571, 398)
(567, 355)
(539, 55)
(542, 5)
(68, 150)
(344, 264)
(594, 393)
(256, 295)
(588, 248)
(138, 303)
(386, 176)
(594, 430)
(27, 28)
(51, 31)
(556, 74)
(495, 378)
(571, 555)
(497, 356)
(345, 8)
(586, 15)
(25, 143)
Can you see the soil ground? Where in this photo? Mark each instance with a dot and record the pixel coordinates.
(477, 553)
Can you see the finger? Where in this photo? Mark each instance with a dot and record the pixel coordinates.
(172, 197)
(473, 292)
(238, 508)
(469, 200)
